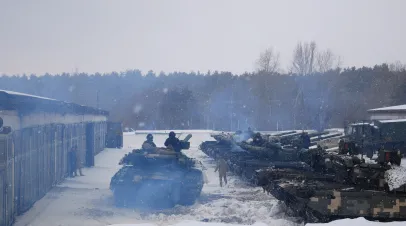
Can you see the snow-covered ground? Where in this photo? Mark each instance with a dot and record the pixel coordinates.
(87, 200)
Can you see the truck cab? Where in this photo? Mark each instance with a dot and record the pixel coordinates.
(369, 137)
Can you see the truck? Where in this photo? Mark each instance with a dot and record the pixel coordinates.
(367, 137)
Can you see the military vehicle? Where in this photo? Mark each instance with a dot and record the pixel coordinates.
(369, 137)
(319, 185)
(339, 186)
(244, 157)
(157, 178)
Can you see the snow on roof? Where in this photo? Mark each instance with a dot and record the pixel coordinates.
(392, 120)
(27, 102)
(24, 94)
(391, 108)
(360, 124)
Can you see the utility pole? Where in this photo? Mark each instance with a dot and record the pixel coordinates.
(231, 111)
(97, 99)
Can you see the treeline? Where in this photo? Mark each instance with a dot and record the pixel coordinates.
(265, 100)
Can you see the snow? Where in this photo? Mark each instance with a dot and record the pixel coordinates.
(392, 120)
(189, 223)
(397, 107)
(396, 176)
(24, 94)
(359, 222)
(176, 131)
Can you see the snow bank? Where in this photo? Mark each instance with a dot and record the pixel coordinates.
(189, 223)
(359, 222)
(167, 131)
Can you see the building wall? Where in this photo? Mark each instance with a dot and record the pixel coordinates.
(11, 118)
(387, 116)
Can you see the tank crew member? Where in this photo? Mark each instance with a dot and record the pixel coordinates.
(149, 143)
(257, 140)
(222, 167)
(341, 146)
(305, 140)
(250, 132)
(173, 142)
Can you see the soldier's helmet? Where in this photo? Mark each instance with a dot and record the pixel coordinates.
(150, 137)
(172, 134)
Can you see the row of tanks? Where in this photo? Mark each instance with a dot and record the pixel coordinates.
(157, 178)
(319, 184)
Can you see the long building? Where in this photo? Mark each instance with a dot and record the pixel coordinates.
(35, 137)
(388, 113)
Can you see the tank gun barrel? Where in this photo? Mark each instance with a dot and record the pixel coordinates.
(316, 134)
(283, 133)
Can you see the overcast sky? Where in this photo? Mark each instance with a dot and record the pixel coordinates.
(184, 35)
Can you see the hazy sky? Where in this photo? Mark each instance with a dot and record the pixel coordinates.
(38, 36)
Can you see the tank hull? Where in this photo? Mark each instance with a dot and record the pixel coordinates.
(319, 198)
(158, 182)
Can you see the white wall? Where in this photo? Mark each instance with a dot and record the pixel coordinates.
(11, 118)
(387, 116)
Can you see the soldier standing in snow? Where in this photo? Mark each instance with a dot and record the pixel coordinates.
(71, 162)
(222, 167)
(78, 163)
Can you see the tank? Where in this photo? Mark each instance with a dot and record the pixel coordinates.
(157, 179)
(339, 186)
(244, 157)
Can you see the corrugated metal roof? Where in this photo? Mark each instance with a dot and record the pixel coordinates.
(25, 95)
(390, 108)
(10, 100)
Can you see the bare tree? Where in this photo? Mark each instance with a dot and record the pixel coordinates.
(326, 61)
(304, 58)
(397, 67)
(268, 61)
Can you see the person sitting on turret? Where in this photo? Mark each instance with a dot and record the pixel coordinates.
(305, 140)
(149, 143)
(250, 132)
(257, 140)
(173, 142)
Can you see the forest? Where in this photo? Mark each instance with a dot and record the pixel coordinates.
(315, 92)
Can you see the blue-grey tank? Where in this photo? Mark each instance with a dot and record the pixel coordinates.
(156, 179)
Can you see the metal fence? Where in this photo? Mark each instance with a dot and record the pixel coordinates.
(33, 160)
